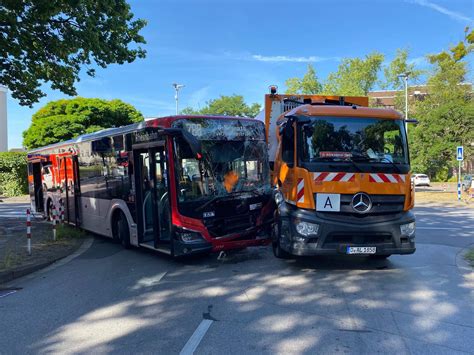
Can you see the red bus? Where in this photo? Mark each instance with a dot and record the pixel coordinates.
(178, 184)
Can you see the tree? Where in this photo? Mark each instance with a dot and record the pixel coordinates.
(65, 119)
(446, 115)
(233, 105)
(48, 41)
(399, 65)
(354, 76)
(307, 85)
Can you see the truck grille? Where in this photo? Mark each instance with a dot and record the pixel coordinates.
(381, 204)
(356, 238)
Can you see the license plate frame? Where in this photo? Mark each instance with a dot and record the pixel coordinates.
(368, 250)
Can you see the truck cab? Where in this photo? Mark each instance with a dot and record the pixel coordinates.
(342, 171)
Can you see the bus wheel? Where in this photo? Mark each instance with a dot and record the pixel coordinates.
(123, 232)
(277, 250)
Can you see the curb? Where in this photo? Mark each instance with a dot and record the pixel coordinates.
(7, 276)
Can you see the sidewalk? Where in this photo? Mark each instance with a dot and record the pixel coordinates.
(14, 259)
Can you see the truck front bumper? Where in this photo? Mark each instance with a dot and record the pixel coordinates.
(338, 232)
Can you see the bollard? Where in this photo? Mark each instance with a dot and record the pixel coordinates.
(55, 219)
(28, 231)
(61, 211)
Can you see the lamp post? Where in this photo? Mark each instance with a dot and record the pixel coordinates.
(177, 87)
(405, 77)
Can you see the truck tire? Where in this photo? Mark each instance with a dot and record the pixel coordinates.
(277, 250)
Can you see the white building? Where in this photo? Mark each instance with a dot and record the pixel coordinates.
(3, 120)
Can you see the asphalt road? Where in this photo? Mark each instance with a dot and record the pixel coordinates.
(133, 301)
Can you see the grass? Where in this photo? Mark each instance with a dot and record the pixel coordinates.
(443, 198)
(469, 256)
(65, 231)
(10, 259)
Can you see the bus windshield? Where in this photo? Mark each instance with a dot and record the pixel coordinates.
(357, 139)
(234, 159)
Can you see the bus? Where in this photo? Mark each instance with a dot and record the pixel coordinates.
(179, 184)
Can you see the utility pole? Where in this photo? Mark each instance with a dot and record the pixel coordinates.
(405, 77)
(177, 87)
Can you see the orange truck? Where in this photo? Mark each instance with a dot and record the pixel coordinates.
(342, 172)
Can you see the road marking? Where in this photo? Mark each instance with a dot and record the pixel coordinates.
(8, 294)
(196, 338)
(443, 228)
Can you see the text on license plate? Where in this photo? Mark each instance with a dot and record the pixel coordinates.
(361, 250)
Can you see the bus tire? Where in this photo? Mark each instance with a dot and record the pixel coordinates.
(123, 232)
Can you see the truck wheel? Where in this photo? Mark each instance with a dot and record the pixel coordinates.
(277, 250)
(122, 230)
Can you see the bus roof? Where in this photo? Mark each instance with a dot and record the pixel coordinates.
(164, 122)
(343, 111)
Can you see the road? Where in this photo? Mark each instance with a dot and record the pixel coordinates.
(123, 301)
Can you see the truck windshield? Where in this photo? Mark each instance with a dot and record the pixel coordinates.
(232, 164)
(354, 139)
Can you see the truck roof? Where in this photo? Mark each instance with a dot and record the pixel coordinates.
(342, 111)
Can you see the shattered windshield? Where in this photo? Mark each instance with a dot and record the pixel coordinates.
(354, 139)
(234, 159)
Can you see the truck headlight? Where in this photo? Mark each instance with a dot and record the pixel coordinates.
(408, 229)
(307, 229)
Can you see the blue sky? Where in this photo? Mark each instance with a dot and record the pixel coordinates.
(224, 47)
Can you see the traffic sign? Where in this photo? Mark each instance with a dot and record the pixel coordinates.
(460, 153)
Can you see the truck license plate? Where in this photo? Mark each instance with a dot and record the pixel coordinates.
(361, 250)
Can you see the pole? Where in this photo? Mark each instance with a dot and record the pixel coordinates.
(28, 231)
(406, 102)
(459, 182)
(177, 87)
(55, 217)
(176, 99)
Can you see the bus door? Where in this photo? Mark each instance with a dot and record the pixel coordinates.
(69, 179)
(153, 208)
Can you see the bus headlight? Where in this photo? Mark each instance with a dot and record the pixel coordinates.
(187, 236)
(278, 197)
(307, 229)
(408, 229)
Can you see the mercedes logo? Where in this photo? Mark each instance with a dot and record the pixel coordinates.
(361, 203)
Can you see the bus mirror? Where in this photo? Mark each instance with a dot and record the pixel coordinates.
(412, 120)
(193, 143)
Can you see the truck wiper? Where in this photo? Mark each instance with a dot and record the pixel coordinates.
(375, 160)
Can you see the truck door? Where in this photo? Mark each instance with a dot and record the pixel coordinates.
(37, 187)
(153, 208)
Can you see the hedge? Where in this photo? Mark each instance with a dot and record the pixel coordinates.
(13, 174)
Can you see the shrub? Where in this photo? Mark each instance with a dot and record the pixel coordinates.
(13, 174)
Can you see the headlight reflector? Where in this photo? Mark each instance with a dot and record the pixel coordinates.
(408, 229)
(307, 229)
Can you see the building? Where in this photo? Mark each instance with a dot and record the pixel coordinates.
(3, 120)
(386, 98)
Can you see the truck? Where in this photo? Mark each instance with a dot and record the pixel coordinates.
(342, 175)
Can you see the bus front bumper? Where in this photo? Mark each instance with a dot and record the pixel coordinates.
(338, 235)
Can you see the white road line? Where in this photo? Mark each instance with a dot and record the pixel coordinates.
(196, 338)
(443, 228)
(8, 294)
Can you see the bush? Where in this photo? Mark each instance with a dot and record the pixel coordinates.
(13, 174)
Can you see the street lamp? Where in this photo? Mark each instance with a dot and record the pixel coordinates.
(405, 77)
(177, 87)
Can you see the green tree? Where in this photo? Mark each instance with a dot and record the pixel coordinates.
(308, 85)
(65, 119)
(400, 65)
(49, 41)
(354, 76)
(446, 115)
(233, 105)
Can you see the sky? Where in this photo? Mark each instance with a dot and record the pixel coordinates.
(225, 47)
